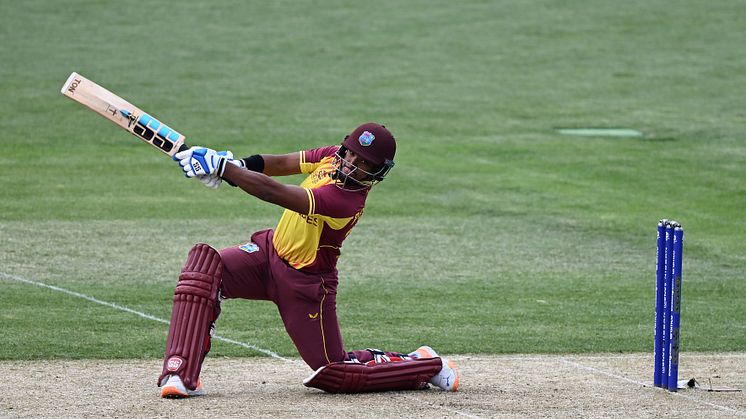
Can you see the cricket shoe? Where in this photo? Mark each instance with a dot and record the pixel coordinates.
(173, 388)
(449, 376)
(424, 352)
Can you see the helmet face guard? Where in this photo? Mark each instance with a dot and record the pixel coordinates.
(346, 181)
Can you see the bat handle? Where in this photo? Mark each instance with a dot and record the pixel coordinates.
(182, 147)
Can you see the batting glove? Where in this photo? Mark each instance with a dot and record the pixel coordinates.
(201, 161)
(212, 180)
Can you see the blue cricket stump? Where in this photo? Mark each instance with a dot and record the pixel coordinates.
(667, 275)
(668, 304)
(659, 269)
(674, 338)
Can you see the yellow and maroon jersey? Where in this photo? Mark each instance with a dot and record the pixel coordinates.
(312, 242)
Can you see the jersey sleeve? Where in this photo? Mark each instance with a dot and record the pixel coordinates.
(311, 159)
(331, 201)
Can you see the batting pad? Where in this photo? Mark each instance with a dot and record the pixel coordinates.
(195, 308)
(347, 377)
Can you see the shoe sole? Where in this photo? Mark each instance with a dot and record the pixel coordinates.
(173, 392)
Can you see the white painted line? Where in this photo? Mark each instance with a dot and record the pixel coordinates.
(585, 367)
(600, 132)
(675, 393)
(141, 314)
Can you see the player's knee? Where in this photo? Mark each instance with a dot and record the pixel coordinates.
(316, 362)
(201, 274)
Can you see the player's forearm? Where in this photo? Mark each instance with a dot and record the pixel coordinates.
(267, 189)
(281, 164)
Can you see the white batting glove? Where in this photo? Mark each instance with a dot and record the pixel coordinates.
(212, 180)
(201, 161)
(240, 163)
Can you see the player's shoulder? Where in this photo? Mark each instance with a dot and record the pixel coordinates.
(318, 153)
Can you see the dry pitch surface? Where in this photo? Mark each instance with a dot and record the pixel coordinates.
(492, 386)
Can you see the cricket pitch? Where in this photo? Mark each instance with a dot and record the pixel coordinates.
(605, 385)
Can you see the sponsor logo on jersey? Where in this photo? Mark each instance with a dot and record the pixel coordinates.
(323, 173)
(366, 139)
(249, 247)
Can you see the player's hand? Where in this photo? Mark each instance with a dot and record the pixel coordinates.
(201, 161)
(210, 181)
(213, 181)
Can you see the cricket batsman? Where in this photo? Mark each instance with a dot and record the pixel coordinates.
(293, 266)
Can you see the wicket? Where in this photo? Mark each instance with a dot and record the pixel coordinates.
(668, 304)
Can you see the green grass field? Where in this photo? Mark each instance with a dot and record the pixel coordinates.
(493, 234)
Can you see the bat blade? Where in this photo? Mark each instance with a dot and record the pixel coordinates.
(124, 114)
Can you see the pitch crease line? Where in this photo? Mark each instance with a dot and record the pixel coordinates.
(694, 399)
(138, 313)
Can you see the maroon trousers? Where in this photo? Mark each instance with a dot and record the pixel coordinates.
(306, 302)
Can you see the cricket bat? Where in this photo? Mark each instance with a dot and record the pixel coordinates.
(124, 114)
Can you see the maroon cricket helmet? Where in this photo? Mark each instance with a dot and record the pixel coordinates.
(373, 142)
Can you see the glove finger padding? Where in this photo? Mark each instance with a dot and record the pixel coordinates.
(181, 155)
